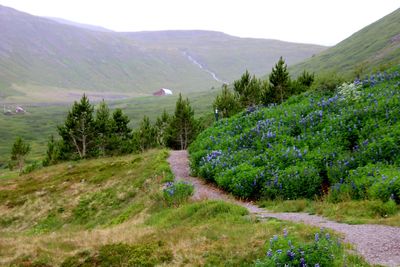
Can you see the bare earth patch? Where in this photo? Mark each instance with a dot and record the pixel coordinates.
(378, 244)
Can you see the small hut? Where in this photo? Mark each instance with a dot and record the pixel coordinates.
(19, 110)
(163, 92)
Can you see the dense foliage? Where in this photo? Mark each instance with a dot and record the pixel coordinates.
(344, 142)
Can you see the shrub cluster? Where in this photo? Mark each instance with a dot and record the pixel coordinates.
(342, 142)
(176, 193)
(286, 251)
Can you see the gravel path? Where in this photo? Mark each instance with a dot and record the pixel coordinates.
(378, 244)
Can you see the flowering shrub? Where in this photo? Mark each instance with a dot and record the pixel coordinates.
(286, 251)
(175, 193)
(349, 91)
(312, 144)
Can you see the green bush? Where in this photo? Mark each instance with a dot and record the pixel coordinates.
(287, 251)
(176, 193)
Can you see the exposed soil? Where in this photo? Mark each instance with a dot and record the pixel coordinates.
(378, 244)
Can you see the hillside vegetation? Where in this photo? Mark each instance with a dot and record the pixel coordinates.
(343, 143)
(37, 53)
(112, 212)
(373, 48)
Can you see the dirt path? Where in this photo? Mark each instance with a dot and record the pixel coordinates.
(378, 244)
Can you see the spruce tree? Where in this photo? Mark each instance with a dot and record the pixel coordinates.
(279, 82)
(248, 90)
(52, 153)
(103, 128)
(121, 133)
(146, 135)
(226, 103)
(78, 131)
(161, 128)
(183, 127)
(19, 151)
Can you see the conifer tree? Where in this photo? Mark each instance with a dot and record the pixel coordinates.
(248, 90)
(19, 151)
(78, 131)
(226, 103)
(103, 128)
(121, 133)
(145, 135)
(52, 153)
(161, 128)
(183, 127)
(279, 82)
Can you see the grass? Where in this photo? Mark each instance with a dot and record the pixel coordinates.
(351, 211)
(100, 212)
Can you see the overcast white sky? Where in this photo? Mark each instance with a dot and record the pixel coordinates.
(324, 22)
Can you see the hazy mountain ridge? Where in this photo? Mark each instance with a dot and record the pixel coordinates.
(36, 51)
(377, 44)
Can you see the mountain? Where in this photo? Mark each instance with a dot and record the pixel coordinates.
(373, 47)
(41, 58)
(80, 25)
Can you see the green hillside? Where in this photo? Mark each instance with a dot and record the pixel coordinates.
(340, 145)
(374, 47)
(41, 58)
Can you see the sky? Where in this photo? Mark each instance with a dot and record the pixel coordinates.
(324, 22)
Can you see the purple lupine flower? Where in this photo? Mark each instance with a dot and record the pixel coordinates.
(316, 237)
(285, 233)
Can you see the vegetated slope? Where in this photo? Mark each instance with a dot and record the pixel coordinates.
(35, 51)
(111, 212)
(375, 45)
(345, 142)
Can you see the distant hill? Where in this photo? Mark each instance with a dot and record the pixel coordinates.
(80, 25)
(48, 58)
(375, 46)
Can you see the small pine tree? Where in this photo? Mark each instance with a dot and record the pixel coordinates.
(52, 153)
(18, 153)
(306, 78)
(183, 126)
(248, 90)
(121, 133)
(146, 135)
(161, 128)
(103, 127)
(78, 131)
(226, 103)
(279, 82)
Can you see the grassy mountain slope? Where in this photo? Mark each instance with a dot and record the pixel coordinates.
(38, 52)
(364, 51)
(111, 212)
(343, 144)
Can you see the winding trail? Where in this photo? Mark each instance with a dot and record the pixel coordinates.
(378, 244)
